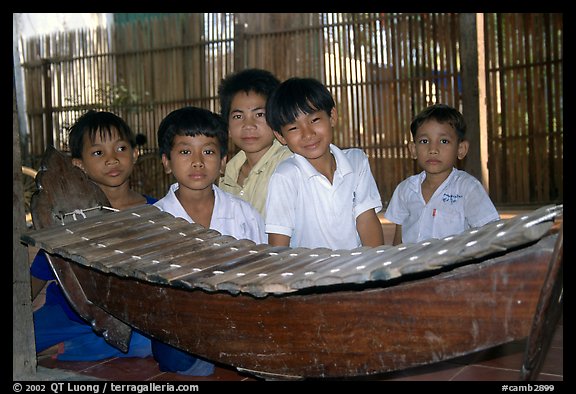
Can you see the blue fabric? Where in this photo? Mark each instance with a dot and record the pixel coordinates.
(52, 326)
(54, 295)
(86, 348)
(81, 343)
(150, 200)
(171, 359)
(56, 321)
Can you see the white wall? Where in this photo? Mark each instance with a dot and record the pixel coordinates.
(26, 25)
(39, 23)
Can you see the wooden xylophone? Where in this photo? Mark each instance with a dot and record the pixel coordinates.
(151, 245)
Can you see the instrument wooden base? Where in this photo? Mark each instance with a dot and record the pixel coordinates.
(341, 333)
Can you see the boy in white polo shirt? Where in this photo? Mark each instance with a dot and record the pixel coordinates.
(441, 200)
(193, 143)
(321, 196)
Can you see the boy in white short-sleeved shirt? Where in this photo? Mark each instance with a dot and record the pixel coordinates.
(193, 147)
(321, 196)
(193, 143)
(441, 200)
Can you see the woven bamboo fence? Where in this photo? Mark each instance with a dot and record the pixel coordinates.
(381, 68)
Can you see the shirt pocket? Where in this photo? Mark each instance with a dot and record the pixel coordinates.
(447, 222)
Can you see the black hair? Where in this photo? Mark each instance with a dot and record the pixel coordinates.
(294, 97)
(442, 113)
(191, 121)
(255, 80)
(97, 121)
(141, 139)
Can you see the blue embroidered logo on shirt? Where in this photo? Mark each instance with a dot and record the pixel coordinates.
(451, 198)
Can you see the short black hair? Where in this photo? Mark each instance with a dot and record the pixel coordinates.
(191, 121)
(249, 80)
(442, 113)
(97, 121)
(294, 97)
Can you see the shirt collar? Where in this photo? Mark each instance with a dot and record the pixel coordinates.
(270, 153)
(233, 166)
(343, 166)
(416, 181)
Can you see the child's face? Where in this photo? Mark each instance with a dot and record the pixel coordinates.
(195, 161)
(436, 147)
(109, 161)
(310, 135)
(247, 123)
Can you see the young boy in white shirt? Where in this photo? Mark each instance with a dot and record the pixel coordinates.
(441, 200)
(321, 196)
(193, 143)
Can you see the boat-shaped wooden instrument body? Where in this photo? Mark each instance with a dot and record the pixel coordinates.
(291, 313)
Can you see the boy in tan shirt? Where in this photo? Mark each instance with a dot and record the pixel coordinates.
(243, 97)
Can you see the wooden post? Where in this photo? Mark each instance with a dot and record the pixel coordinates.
(239, 42)
(474, 94)
(23, 345)
(47, 92)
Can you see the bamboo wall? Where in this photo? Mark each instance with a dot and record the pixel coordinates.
(525, 114)
(381, 68)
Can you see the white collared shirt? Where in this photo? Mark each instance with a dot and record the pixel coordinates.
(314, 213)
(460, 203)
(231, 215)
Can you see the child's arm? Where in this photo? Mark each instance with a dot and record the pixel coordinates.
(397, 235)
(278, 239)
(370, 229)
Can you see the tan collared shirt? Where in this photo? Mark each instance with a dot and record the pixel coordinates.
(255, 186)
